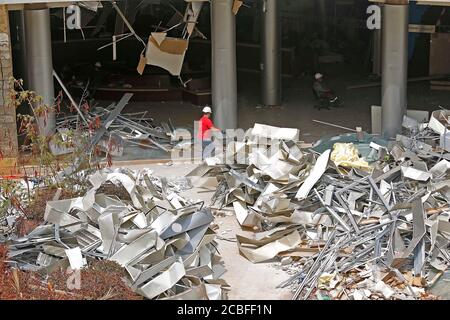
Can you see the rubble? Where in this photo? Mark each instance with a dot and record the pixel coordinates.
(163, 241)
(353, 217)
(286, 261)
(362, 223)
(113, 130)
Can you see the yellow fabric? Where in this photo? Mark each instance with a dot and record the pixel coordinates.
(346, 155)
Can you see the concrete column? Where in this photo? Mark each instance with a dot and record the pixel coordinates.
(8, 130)
(39, 62)
(394, 65)
(271, 53)
(224, 78)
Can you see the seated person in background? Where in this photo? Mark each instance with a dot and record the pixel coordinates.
(321, 89)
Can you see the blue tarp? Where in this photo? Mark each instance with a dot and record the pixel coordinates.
(363, 146)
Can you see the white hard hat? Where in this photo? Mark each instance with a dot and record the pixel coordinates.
(318, 76)
(207, 110)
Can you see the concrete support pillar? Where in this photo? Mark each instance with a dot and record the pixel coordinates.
(394, 65)
(8, 130)
(224, 77)
(271, 53)
(39, 62)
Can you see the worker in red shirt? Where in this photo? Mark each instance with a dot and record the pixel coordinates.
(205, 127)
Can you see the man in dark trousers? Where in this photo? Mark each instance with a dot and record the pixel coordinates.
(321, 89)
(204, 135)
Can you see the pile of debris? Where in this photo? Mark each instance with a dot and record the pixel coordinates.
(359, 227)
(164, 242)
(111, 130)
(363, 218)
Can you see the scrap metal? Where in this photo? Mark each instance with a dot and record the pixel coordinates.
(161, 239)
(131, 128)
(378, 233)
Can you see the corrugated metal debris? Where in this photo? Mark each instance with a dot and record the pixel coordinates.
(164, 242)
(112, 130)
(359, 227)
(362, 219)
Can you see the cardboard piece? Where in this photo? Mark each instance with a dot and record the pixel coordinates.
(169, 54)
(141, 65)
(236, 6)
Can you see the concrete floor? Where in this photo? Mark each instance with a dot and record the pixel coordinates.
(248, 281)
(298, 110)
